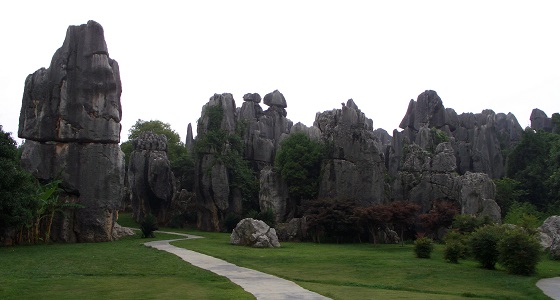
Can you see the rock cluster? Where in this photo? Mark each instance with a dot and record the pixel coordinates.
(550, 236)
(477, 139)
(151, 182)
(254, 233)
(540, 121)
(70, 118)
(354, 168)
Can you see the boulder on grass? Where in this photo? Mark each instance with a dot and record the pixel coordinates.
(254, 233)
(550, 233)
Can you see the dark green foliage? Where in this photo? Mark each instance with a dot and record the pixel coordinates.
(525, 215)
(148, 226)
(438, 137)
(519, 252)
(423, 247)
(231, 220)
(268, 217)
(17, 191)
(466, 223)
(299, 162)
(332, 220)
(456, 246)
(483, 242)
(535, 163)
(508, 191)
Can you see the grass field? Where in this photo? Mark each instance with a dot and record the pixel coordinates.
(126, 269)
(364, 271)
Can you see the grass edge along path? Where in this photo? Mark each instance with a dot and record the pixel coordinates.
(124, 269)
(352, 271)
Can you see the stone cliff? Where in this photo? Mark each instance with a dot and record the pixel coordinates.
(70, 118)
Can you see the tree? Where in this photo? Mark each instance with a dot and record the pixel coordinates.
(441, 215)
(484, 243)
(519, 252)
(17, 202)
(404, 215)
(299, 162)
(332, 219)
(508, 191)
(374, 217)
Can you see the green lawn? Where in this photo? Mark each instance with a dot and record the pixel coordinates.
(125, 269)
(128, 270)
(364, 271)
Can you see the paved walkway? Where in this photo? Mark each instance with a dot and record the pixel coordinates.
(261, 285)
(550, 287)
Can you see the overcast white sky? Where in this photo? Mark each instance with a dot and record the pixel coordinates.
(174, 55)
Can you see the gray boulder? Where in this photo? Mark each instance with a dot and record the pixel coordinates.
(254, 233)
(540, 121)
(550, 232)
(476, 195)
(294, 230)
(275, 99)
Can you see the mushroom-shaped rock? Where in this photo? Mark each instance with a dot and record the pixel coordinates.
(275, 99)
(254, 233)
(253, 97)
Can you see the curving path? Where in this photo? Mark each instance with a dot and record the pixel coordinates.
(261, 285)
(550, 287)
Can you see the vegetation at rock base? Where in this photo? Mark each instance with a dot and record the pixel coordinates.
(332, 220)
(484, 242)
(27, 207)
(519, 251)
(374, 218)
(148, 226)
(299, 162)
(441, 215)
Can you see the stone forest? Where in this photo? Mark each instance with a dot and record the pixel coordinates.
(252, 161)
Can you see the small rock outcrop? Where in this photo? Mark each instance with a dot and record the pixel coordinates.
(550, 232)
(150, 179)
(70, 118)
(254, 233)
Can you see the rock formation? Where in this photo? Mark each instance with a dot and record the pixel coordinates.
(254, 233)
(189, 141)
(355, 167)
(150, 179)
(540, 121)
(550, 232)
(478, 139)
(70, 118)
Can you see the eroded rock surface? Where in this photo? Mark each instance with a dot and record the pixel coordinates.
(70, 118)
(150, 179)
(254, 233)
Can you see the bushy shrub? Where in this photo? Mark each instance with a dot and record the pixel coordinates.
(519, 252)
(423, 247)
(456, 246)
(231, 220)
(483, 243)
(148, 226)
(468, 223)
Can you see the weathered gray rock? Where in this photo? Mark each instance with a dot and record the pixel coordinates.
(540, 121)
(273, 194)
(189, 141)
(427, 110)
(150, 179)
(77, 99)
(253, 97)
(312, 132)
(355, 167)
(477, 193)
(275, 99)
(70, 117)
(550, 231)
(92, 175)
(120, 232)
(254, 233)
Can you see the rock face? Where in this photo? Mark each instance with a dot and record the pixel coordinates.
(150, 179)
(189, 141)
(477, 139)
(70, 117)
(254, 233)
(355, 167)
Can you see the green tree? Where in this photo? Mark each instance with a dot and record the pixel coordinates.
(508, 191)
(484, 243)
(524, 214)
(534, 163)
(519, 252)
(299, 162)
(17, 202)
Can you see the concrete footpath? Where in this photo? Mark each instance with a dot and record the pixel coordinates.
(550, 287)
(261, 285)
